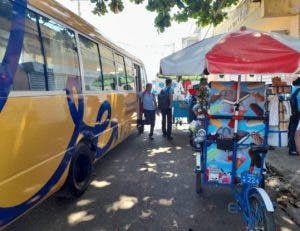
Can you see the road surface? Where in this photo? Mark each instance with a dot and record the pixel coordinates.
(140, 185)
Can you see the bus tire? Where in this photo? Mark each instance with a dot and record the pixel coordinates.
(80, 171)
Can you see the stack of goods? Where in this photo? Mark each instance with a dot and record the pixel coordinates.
(199, 110)
(279, 86)
(284, 114)
(202, 97)
(198, 133)
(280, 112)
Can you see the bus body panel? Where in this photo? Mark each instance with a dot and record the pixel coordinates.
(40, 129)
(35, 135)
(35, 132)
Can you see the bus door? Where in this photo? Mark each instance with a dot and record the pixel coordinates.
(139, 88)
(138, 78)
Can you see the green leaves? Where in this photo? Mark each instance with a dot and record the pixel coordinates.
(205, 12)
(162, 21)
(100, 7)
(116, 6)
(137, 1)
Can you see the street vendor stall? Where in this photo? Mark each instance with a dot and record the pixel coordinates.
(181, 98)
(231, 133)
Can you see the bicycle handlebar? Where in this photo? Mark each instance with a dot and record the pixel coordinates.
(259, 148)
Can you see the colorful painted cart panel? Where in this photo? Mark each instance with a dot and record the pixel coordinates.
(251, 127)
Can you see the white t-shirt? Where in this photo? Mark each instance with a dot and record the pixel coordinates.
(148, 100)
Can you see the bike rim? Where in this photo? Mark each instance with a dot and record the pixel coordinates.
(257, 215)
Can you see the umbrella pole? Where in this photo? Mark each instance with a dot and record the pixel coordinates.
(237, 105)
(236, 113)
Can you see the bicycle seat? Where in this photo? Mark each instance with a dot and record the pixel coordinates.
(259, 148)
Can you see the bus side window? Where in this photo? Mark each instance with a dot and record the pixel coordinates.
(31, 60)
(130, 76)
(30, 72)
(91, 64)
(5, 22)
(61, 54)
(144, 77)
(120, 71)
(108, 68)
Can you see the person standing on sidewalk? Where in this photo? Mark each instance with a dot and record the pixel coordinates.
(165, 102)
(294, 124)
(149, 107)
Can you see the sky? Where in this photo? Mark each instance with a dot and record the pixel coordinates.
(133, 29)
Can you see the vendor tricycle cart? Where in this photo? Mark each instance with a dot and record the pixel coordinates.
(234, 146)
(234, 156)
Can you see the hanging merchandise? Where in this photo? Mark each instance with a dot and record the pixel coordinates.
(273, 107)
(285, 113)
(197, 126)
(279, 111)
(202, 97)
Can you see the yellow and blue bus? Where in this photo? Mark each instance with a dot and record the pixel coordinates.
(67, 96)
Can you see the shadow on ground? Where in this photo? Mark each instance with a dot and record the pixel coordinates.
(140, 185)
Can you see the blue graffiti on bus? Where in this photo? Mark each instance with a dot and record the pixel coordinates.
(7, 72)
(10, 61)
(77, 113)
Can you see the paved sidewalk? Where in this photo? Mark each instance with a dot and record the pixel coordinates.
(285, 181)
(286, 165)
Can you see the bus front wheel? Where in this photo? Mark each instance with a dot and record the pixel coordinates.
(80, 171)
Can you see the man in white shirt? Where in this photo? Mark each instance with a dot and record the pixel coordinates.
(149, 107)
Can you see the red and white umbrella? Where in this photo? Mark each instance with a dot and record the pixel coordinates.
(244, 51)
(240, 52)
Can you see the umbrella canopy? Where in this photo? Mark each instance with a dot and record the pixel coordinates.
(190, 60)
(240, 52)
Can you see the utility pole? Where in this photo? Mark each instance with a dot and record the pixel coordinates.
(78, 6)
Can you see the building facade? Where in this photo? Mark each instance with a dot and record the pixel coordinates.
(282, 16)
(188, 41)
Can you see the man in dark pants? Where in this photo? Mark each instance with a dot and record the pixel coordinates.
(166, 109)
(149, 108)
(294, 120)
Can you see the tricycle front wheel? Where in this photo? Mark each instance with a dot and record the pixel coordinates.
(260, 217)
(198, 182)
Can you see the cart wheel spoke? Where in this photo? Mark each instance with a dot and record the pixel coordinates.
(260, 217)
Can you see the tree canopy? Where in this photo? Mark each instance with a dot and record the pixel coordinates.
(205, 12)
